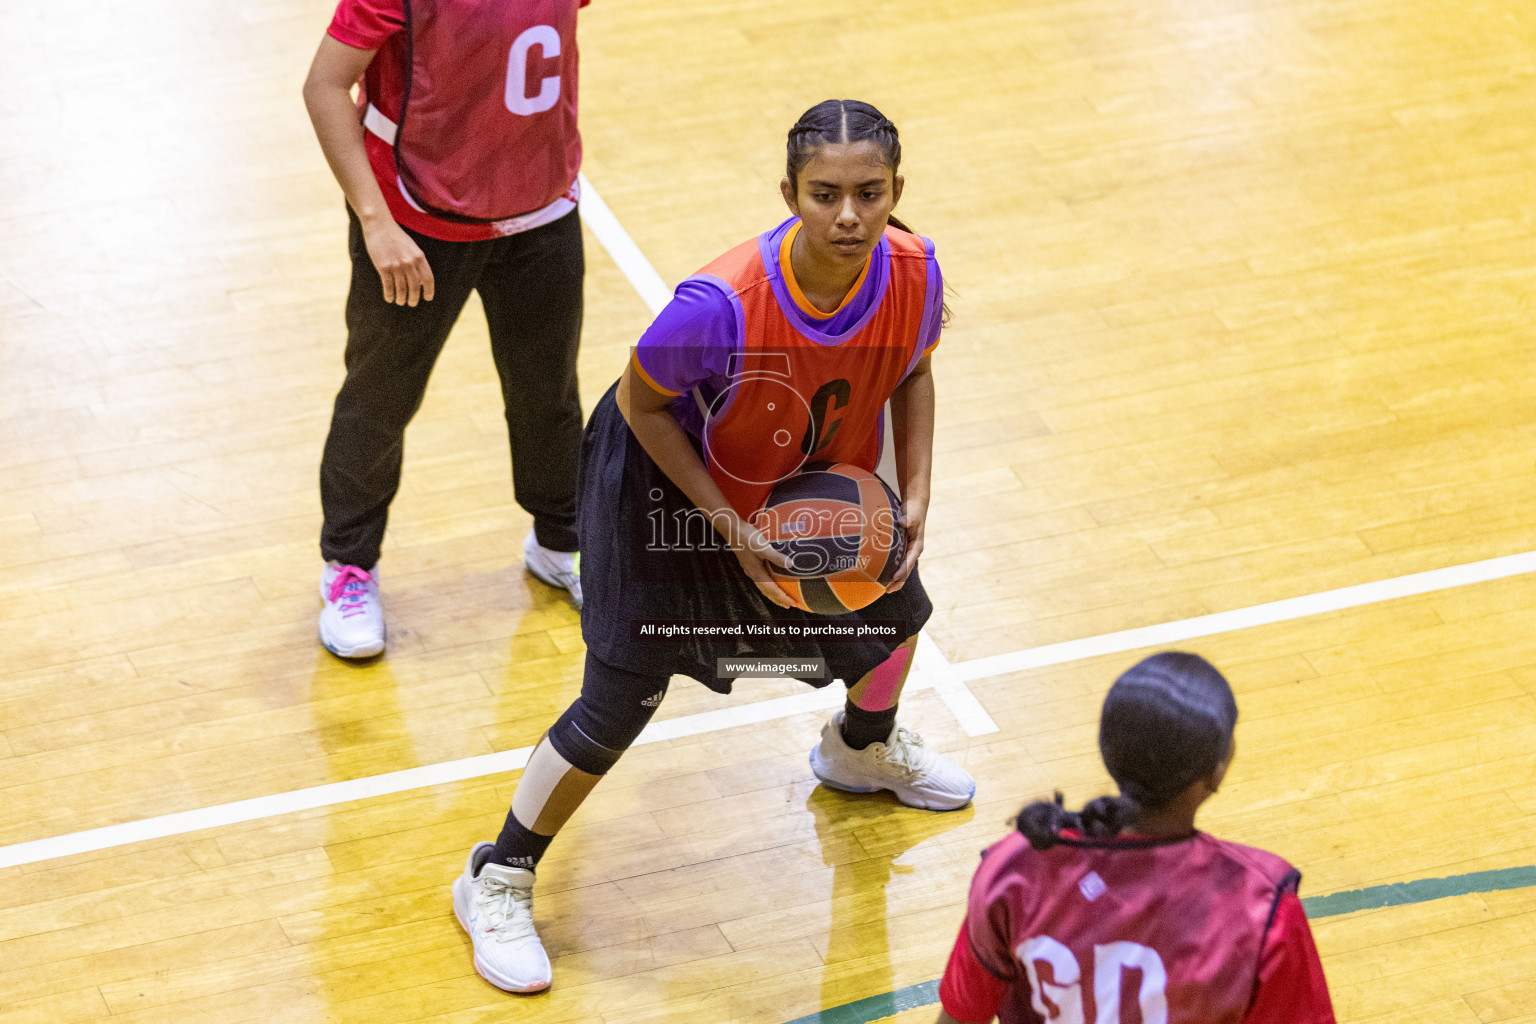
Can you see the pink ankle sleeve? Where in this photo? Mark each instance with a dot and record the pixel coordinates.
(884, 681)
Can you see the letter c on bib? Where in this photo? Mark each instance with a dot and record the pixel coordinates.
(518, 100)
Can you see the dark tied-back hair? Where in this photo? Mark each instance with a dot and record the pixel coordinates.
(845, 121)
(1167, 723)
(840, 121)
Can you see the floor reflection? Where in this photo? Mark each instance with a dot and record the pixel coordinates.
(863, 839)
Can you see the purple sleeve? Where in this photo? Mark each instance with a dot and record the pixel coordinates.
(933, 308)
(692, 338)
(933, 313)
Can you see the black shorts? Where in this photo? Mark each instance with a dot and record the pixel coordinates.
(628, 580)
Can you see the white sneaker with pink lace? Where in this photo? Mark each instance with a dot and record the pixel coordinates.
(352, 621)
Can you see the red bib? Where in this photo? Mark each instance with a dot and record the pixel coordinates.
(795, 400)
(1123, 932)
(487, 126)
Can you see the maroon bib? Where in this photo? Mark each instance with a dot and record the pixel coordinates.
(487, 126)
(1124, 932)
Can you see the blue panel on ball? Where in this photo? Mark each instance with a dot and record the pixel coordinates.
(833, 486)
(818, 556)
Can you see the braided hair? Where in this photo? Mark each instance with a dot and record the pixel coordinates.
(840, 121)
(844, 121)
(1167, 723)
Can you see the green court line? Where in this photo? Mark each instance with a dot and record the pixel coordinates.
(888, 1004)
(1421, 891)
(865, 1011)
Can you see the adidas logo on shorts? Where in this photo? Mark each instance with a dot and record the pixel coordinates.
(654, 700)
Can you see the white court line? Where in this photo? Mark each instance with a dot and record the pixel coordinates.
(654, 293)
(596, 215)
(925, 675)
(332, 793)
(957, 697)
(328, 795)
(1256, 615)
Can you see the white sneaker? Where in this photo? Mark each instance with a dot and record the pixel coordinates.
(918, 776)
(352, 621)
(557, 568)
(494, 904)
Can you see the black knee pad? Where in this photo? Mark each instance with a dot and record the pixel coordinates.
(613, 708)
(571, 736)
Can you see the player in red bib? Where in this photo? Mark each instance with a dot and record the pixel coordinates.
(1124, 913)
(782, 351)
(459, 162)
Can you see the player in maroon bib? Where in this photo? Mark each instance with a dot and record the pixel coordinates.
(487, 119)
(1124, 913)
(459, 164)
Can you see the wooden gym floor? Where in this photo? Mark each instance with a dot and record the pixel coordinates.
(1242, 296)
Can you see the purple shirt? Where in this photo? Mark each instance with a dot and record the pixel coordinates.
(692, 340)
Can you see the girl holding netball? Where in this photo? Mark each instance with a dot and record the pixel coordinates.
(842, 307)
(1125, 904)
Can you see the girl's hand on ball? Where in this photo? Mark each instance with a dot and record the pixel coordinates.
(754, 553)
(914, 515)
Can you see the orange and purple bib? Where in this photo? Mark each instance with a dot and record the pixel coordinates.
(768, 383)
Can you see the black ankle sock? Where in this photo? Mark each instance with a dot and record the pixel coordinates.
(517, 847)
(861, 728)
